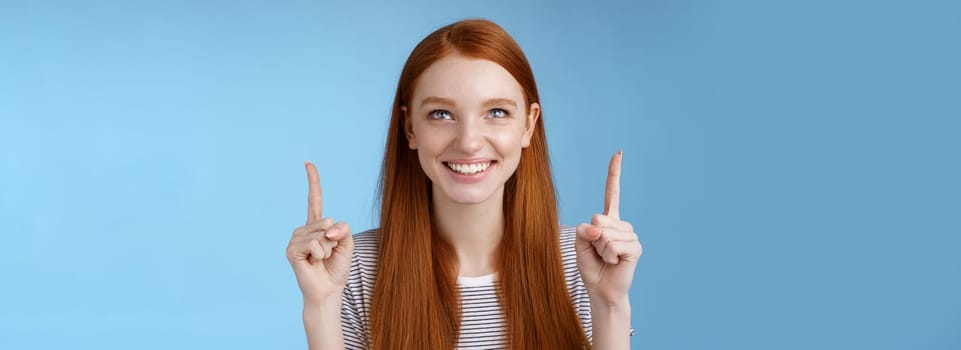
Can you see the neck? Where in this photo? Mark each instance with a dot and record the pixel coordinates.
(474, 231)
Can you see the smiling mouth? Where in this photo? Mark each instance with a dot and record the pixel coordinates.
(469, 169)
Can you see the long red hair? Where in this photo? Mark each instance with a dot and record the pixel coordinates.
(415, 301)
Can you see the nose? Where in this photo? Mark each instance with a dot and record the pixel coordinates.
(470, 136)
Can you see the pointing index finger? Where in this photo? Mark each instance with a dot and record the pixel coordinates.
(315, 204)
(612, 194)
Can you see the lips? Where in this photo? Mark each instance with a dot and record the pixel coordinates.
(469, 168)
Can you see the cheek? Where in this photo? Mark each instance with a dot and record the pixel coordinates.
(430, 143)
(509, 143)
(426, 137)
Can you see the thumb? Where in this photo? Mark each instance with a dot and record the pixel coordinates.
(340, 233)
(586, 234)
(338, 262)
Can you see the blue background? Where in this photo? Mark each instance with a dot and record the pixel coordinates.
(790, 167)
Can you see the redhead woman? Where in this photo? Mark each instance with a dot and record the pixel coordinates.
(469, 252)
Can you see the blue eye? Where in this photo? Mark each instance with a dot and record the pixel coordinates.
(498, 113)
(439, 114)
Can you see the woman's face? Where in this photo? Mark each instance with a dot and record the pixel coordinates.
(468, 122)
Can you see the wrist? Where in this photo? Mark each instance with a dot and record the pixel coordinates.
(614, 310)
(322, 322)
(327, 305)
(610, 302)
(611, 318)
(323, 299)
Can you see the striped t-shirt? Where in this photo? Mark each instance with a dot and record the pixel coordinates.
(482, 320)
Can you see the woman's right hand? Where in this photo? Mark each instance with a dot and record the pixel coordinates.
(320, 251)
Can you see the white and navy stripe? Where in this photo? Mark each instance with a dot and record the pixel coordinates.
(482, 319)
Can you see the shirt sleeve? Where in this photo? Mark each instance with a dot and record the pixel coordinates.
(575, 285)
(352, 312)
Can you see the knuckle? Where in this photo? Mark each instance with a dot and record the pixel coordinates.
(608, 241)
(291, 250)
(306, 237)
(319, 225)
(329, 244)
(613, 248)
(610, 258)
(597, 218)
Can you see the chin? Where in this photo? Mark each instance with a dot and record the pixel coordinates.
(469, 196)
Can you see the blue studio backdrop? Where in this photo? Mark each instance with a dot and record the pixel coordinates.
(791, 167)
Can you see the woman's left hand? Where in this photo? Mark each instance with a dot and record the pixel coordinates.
(608, 248)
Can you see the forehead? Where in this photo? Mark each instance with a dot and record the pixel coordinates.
(467, 80)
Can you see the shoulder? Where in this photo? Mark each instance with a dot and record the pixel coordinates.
(366, 246)
(568, 230)
(355, 310)
(568, 234)
(575, 285)
(367, 240)
(364, 260)
(363, 270)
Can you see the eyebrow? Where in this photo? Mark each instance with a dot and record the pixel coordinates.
(437, 100)
(450, 102)
(499, 102)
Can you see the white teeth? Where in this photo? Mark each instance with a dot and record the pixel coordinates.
(468, 169)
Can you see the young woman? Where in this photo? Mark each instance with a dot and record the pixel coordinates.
(469, 253)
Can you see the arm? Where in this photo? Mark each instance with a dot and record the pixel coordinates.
(322, 323)
(611, 324)
(320, 253)
(607, 254)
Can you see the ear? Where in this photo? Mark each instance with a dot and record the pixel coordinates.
(534, 112)
(408, 128)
